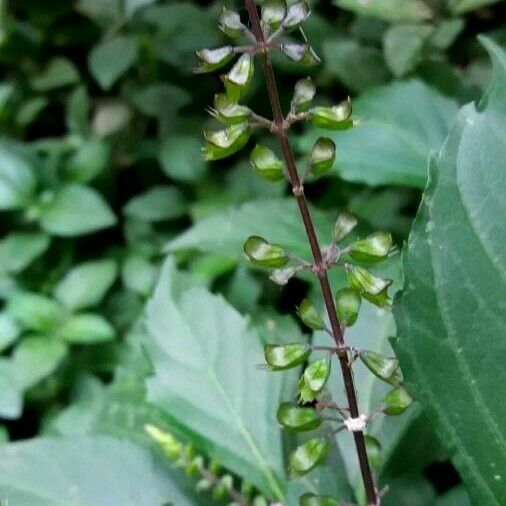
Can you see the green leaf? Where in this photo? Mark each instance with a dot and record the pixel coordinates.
(159, 203)
(77, 112)
(451, 314)
(161, 100)
(317, 500)
(86, 328)
(180, 158)
(28, 479)
(19, 250)
(286, 356)
(403, 45)
(298, 419)
(76, 210)
(9, 330)
(308, 455)
(461, 6)
(225, 232)
(60, 72)
(11, 395)
(86, 284)
(203, 341)
(110, 59)
(89, 160)
(455, 497)
(391, 10)
(139, 275)
(34, 311)
(17, 178)
(400, 124)
(35, 358)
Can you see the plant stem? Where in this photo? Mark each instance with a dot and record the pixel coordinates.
(321, 269)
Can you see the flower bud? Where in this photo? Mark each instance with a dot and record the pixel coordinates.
(213, 59)
(308, 455)
(286, 356)
(304, 93)
(322, 156)
(347, 305)
(300, 53)
(266, 163)
(373, 248)
(263, 254)
(337, 117)
(223, 143)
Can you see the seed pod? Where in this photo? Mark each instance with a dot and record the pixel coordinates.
(230, 23)
(397, 401)
(337, 117)
(308, 455)
(370, 287)
(223, 143)
(169, 444)
(343, 225)
(214, 59)
(297, 13)
(273, 13)
(266, 163)
(298, 419)
(229, 112)
(238, 79)
(313, 380)
(263, 254)
(282, 276)
(347, 305)
(322, 156)
(308, 314)
(304, 93)
(300, 53)
(386, 369)
(317, 500)
(194, 466)
(286, 356)
(373, 248)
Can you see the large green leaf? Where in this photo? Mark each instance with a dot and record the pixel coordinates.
(84, 471)
(400, 124)
(205, 358)
(276, 220)
(452, 314)
(393, 10)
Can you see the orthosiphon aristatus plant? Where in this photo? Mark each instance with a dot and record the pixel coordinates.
(262, 35)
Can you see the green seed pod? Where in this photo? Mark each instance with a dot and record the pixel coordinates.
(230, 23)
(337, 117)
(239, 78)
(297, 419)
(273, 13)
(282, 276)
(372, 288)
(343, 225)
(316, 374)
(348, 305)
(317, 500)
(322, 156)
(303, 95)
(300, 53)
(308, 455)
(297, 13)
(228, 111)
(223, 143)
(266, 163)
(214, 59)
(169, 444)
(263, 254)
(386, 369)
(308, 314)
(194, 466)
(373, 248)
(286, 356)
(260, 500)
(397, 401)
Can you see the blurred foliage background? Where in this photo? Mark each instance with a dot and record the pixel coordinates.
(101, 175)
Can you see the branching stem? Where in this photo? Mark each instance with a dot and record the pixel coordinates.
(298, 191)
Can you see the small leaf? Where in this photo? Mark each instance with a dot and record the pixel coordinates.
(68, 214)
(286, 356)
(88, 161)
(230, 23)
(372, 288)
(223, 143)
(139, 275)
(300, 53)
(213, 59)
(317, 500)
(239, 77)
(308, 455)
(160, 100)
(322, 156)
(110, 59)
(34, 311)
(296, 14)
(273, 13)
(9, 330)
(266, 163)
(337, 117)
(159, 203)
(309, 315)
(347, 305)
(303, 95)
(86, 328)
(386, 369)
(397, 401)
(228, 111)
(373, 248)
(60, 72)
(298, 419)
(19, 250)
(343, 225)
(263, 254)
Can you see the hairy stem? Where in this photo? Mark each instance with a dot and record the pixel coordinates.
(321, 268)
